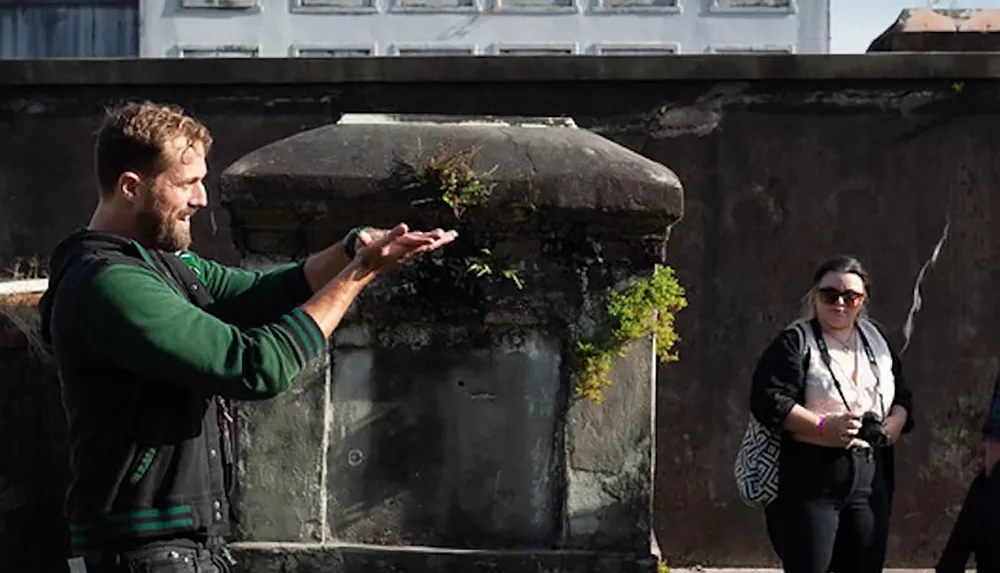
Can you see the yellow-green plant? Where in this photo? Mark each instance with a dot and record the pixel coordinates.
(646, 307)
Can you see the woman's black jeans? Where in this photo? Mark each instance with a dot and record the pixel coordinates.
(832, 513)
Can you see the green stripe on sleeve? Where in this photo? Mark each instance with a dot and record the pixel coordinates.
(311, 333)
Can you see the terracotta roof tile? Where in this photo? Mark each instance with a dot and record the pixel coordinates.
(917, 29)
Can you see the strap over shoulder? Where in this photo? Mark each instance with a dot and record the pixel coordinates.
(185, 276)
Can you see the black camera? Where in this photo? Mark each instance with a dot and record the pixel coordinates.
(872, 431)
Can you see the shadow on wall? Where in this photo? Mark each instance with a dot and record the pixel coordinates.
(34, 467)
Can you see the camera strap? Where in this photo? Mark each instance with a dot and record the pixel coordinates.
(825, 354)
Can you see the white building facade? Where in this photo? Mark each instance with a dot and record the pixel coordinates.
(335, 28)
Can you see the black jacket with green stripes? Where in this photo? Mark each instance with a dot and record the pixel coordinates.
(151, 346)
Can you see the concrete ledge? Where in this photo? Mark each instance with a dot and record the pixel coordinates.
(344, 558)
(23, 286)
(275, 71)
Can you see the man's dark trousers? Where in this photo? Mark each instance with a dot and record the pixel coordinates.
(977, 529)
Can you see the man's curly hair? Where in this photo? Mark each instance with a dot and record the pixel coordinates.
(133, 137)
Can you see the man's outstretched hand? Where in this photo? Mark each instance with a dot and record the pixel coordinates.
(384, 250)
(379, 252)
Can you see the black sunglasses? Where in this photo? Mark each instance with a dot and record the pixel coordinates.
(830, 295)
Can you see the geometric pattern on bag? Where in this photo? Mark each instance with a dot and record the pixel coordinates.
(758, 458)
(757, 465)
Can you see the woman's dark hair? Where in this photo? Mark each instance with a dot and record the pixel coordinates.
(842, 264)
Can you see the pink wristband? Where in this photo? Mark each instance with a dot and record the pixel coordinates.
(822, 422)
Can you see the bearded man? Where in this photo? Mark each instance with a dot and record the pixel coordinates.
(152, 341)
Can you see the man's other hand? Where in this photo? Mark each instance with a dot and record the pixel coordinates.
(383, 250)
(992, 455)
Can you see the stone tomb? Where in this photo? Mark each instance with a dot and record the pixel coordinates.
(442, 432)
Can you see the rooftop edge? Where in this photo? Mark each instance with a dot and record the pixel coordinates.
(949, 66)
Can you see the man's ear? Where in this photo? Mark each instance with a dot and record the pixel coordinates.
(128, 185)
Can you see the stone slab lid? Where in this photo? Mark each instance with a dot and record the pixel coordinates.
(363, 164)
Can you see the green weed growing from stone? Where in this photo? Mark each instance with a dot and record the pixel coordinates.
(647, 307)
(452, 174)
(486, 264)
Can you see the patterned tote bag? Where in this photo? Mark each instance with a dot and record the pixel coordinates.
(756, 466)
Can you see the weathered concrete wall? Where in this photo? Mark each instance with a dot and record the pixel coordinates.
(784, 160)
(874, 172)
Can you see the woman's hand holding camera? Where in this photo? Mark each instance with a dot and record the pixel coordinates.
(843, 428)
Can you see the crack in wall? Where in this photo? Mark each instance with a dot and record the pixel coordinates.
(705, 114)
(527, 156)
(700, 118)
(917, 300)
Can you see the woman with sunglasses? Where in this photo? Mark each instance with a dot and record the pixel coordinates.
(833, 386)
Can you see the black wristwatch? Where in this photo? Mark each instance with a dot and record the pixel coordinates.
(349, 241)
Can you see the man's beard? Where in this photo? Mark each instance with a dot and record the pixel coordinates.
(163, 230)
